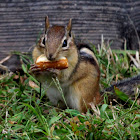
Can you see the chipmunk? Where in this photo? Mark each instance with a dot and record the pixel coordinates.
(80, 81)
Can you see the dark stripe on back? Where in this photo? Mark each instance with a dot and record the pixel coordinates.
(83, 56)
(88, 58)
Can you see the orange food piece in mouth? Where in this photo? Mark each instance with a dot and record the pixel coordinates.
(43, 63)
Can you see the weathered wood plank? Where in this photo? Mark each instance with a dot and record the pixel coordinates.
(21, 22)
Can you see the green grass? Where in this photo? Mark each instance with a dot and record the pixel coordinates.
(27, 115)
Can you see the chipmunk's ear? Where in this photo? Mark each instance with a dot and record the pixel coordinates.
(47, 24)
(69, 27)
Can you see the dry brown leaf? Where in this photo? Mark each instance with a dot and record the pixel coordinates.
(2, 105)
(22, 78)
(46, 111)
(16, 77)
(75, 119)
(33, 84)
(12, 122)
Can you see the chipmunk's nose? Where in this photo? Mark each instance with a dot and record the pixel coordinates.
(50, 57)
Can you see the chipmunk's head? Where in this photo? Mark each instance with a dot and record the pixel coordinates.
(57, 40)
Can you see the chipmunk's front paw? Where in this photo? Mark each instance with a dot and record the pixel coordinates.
(50, 72)
(34, 69)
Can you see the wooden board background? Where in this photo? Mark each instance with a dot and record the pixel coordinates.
(21, 21)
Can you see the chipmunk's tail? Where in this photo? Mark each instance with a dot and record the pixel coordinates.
(128, 86)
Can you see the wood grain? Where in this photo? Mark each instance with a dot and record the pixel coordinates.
(21, 22)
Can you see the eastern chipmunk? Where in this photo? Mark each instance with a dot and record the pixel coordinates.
(80, 81)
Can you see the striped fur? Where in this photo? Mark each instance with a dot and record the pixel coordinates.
(80, 81)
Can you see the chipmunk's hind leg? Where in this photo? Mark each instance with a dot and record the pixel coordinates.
(87, 93)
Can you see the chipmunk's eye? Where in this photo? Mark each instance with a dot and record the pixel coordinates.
(43, 42)
(64, 43)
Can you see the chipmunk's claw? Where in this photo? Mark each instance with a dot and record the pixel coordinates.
(34, 69)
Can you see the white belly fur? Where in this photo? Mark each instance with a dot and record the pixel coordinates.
(71, 98)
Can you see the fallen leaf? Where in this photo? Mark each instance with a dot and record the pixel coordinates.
(12, 122)
(33, 84)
